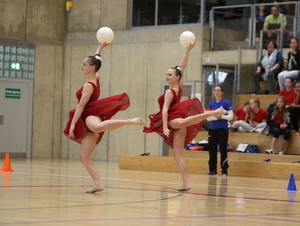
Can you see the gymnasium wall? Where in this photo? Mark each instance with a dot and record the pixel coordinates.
(135, 63)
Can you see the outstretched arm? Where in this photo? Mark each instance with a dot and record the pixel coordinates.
(100, 47)
(184, 61)
(98, 52)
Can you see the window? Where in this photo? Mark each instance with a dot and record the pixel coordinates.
(16, 59)
(165, 12)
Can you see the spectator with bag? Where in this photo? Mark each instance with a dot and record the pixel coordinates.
(279, 123)
(293, 67)
(255, 120)
(268, 67)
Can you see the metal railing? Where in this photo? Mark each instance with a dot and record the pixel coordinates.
(252, 20)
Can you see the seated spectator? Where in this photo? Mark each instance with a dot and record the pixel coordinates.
(255, 120)
(279, 123)
(260, 15)
(289, 92)
(281, 10)
(268, 67)
(272, 26)
(294, 108)
(293, 67)
(239, 114)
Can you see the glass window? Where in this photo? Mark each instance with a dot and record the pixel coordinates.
(143, 13)
(178, 12)
(6, 49)
(24, 74)
(31, 51)
(6, 73)
(17, 59)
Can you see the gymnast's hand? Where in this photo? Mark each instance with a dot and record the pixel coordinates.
(71, 131)
(166, 132)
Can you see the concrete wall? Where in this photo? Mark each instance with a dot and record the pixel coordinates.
(43, 23)
(136, 63)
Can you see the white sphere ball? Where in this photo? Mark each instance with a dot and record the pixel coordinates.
(105, 34)
(186, 38)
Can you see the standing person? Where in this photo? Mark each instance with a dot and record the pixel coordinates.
(179, 122)
(92, 117)
(294, 108)
(239, 114)
(293, 67)
(279, 122)
(255, 120)
(218, 133)
(260, 14)
(268, 67)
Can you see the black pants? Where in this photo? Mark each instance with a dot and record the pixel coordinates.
(295, 112)
(276, 131)
(217, 137)
(271, 80)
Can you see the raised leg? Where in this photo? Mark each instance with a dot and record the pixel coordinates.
(195, 119)
(96, 125)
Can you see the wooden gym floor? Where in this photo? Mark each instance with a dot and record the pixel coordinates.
(50, 192)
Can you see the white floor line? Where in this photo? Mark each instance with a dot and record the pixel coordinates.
(147, 181)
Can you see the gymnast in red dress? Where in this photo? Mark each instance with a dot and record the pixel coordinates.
(179, 122)
(92, 117)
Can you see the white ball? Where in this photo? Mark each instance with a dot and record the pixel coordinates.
(186, 38)
(105, 34)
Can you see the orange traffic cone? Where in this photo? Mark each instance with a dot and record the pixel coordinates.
(6, 165)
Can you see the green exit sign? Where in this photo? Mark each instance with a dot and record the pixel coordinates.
(15, 66)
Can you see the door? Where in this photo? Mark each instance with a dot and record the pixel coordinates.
(16, 115)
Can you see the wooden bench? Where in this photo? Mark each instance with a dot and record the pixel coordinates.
(263, 142)
(243, 168)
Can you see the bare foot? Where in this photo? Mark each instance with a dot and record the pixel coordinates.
(95, 189)
(137, 121)
(184, 188)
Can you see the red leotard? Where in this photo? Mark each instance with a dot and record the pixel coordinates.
(104, 108)
(177, 110)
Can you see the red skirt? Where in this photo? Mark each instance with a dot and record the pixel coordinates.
(180, 110)
(104, 108)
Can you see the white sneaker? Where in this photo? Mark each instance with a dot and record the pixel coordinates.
(241, 129)
(280, 153)
(269, 151)
(259, 130)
